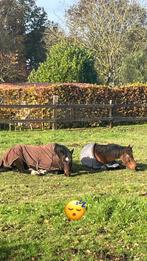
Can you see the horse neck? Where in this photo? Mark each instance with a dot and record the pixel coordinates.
(115, 150)
(121, 151)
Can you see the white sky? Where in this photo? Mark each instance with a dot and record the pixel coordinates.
(56, 8)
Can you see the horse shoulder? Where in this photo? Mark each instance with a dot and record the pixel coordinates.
(100, 157)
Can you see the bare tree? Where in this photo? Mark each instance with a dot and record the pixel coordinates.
(52, 35)
(11, 68)
(110, 29)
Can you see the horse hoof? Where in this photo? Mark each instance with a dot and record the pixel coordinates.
(34, 172)
(42, 172)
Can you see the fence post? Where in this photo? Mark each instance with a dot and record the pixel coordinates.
(110, 114)
(10, 126)
(55, 101)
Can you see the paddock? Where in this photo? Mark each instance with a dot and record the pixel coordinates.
(33, 224)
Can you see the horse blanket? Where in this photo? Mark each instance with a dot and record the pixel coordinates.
(87, 159)
(36, 157)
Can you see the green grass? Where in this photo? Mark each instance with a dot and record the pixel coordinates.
(33, 225)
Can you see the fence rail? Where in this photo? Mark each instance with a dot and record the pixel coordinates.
(72, 106)
(72, 118)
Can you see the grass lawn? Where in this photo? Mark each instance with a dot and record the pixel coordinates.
(33, 225)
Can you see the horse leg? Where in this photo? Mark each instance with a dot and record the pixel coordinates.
(4, 169)
(39, 172)
(19, 164)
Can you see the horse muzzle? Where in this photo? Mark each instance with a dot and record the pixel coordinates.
(133, 166)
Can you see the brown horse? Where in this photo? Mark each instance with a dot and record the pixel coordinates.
(108, 153)
(38, 159)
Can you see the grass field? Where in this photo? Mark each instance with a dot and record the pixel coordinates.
(33, 225)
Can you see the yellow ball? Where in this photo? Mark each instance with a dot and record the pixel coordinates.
(75, 210)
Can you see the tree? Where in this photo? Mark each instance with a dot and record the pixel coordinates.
(21, 34)
(53, 34)
(111, 29)
(66, 62)
(134, 67)
(11, 41)
(10, 68)
(36, 23)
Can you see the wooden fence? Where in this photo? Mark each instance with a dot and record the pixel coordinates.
(73, 117)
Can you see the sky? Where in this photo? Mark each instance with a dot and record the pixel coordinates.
(55, 9)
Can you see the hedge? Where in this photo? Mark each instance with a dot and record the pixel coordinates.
(76, 93)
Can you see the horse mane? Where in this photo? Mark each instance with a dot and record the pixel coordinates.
(113, 149)
(61, 150)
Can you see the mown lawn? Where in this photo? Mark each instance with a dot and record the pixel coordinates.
(33, 225)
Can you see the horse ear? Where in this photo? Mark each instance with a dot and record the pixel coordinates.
(129, 146)
(72, 151)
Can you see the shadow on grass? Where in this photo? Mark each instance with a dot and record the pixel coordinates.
(79, 169)
(142, 166)
(83, 171)
(9, 251)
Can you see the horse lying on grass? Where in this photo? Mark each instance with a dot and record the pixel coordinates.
(98, 156)
(38, 159)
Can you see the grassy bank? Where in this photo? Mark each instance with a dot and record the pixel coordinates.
(33, 225)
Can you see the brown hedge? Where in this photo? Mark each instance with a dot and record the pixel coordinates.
(75, 93)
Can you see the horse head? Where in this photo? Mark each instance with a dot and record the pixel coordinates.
(65, 156)
(128, 159)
